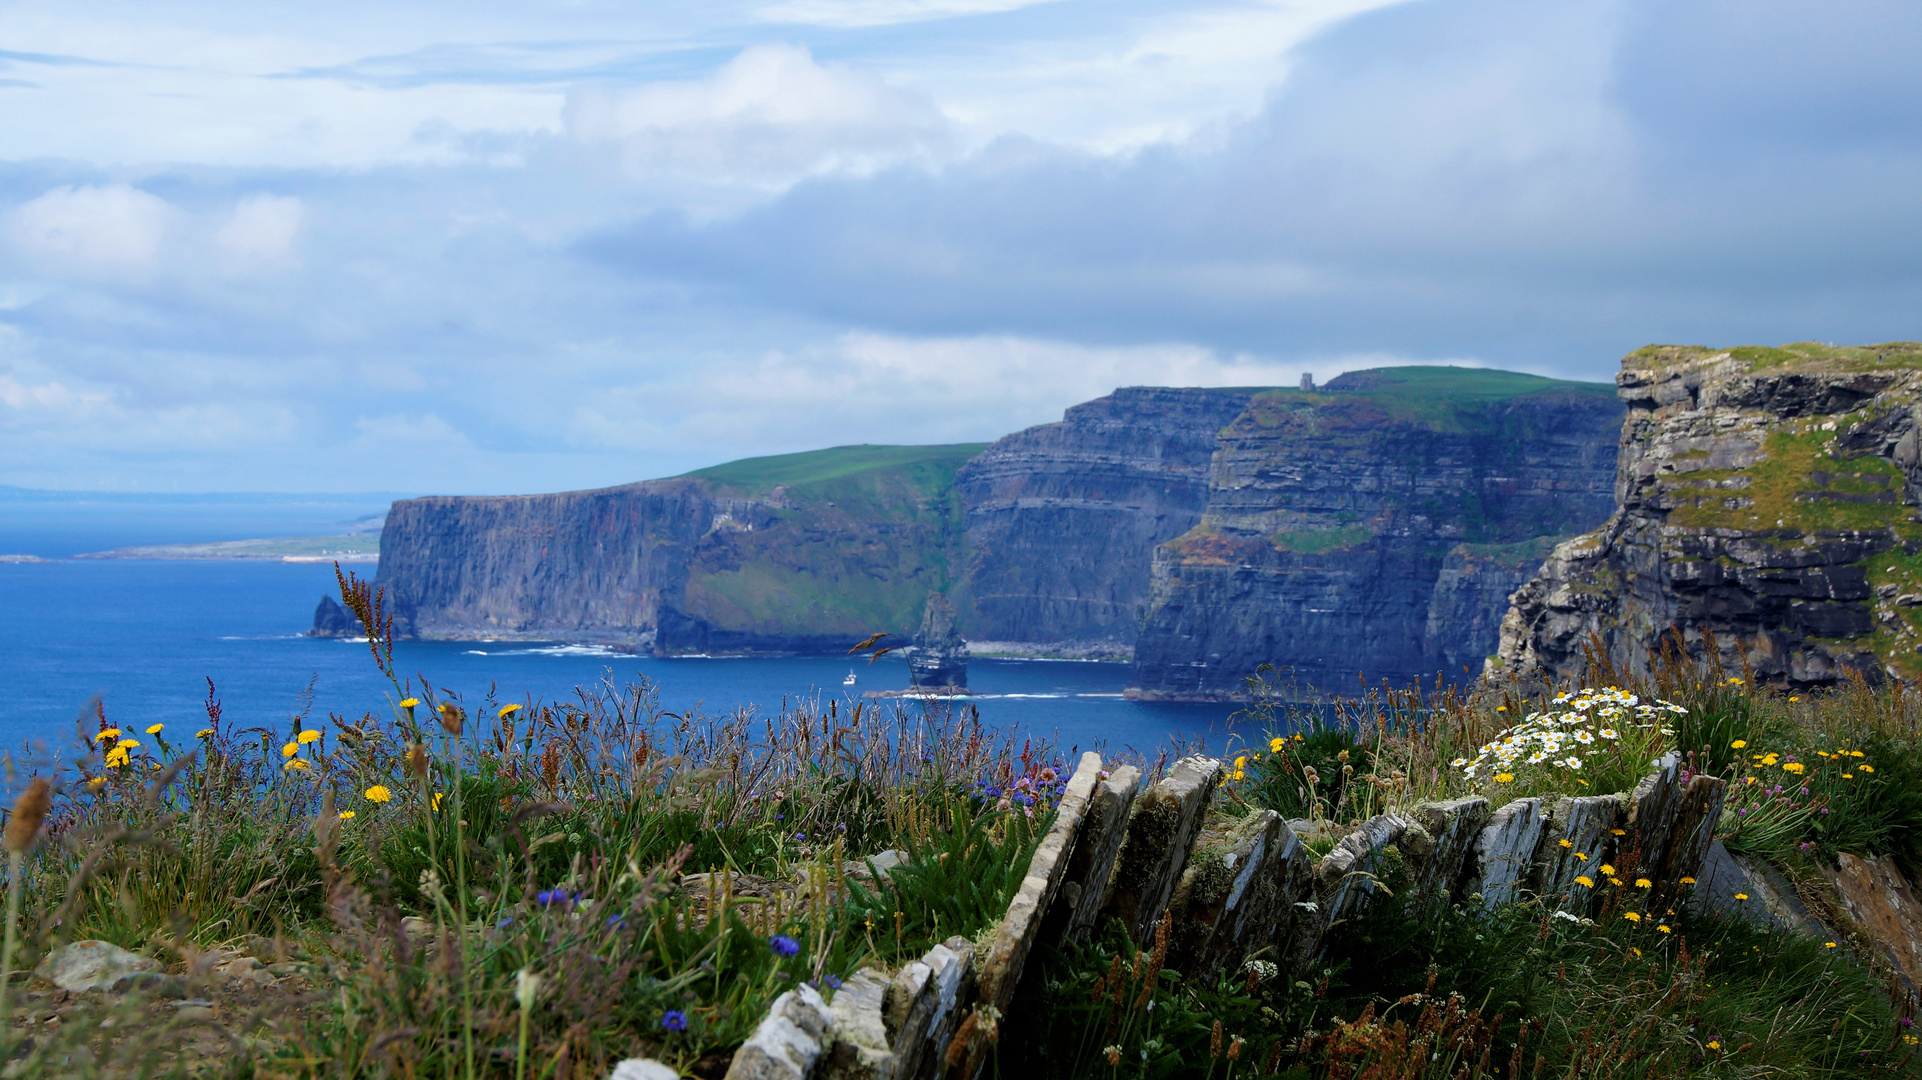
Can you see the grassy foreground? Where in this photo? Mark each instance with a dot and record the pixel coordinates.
(459, 888)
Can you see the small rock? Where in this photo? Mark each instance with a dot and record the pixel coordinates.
(91, 965)
(193, 1014)
(416, 927)
(239, 965)
(885, 863)
(642, 1069)
(190, 1003)
(1908, 599)
(153, 984)
(287, 967)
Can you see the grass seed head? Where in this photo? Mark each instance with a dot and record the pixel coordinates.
(29, 813)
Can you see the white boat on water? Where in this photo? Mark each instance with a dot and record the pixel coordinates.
(849, 681)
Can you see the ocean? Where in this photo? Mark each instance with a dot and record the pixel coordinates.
(147, 635)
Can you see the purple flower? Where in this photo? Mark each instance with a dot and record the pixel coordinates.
(780, 817)
(784, 945)
(800, 836)
(1906, 1022)
(834, 983)
(616, 919)
(504, 923)
(1024, 800)
(674, 1020)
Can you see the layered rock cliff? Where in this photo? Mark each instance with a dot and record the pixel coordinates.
(1373, 527)
(799, 553)
(1767, 501)
(1063, 519)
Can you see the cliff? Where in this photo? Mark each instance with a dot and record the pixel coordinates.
(1063, 519)
(1767, 498)
(797, 553)
(1372, 527)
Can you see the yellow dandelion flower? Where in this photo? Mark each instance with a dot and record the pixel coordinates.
(127, 744)
(1240, 762)
(1501, 708)
(1566, 843)
(1794, 767)
(1848, 776)
(378, 794)
(1688, 881)
(410, 703)
(1795, 699)
(1911, 1040)
(1714, 1045)
(1582, 855)
(1741, 896)
(509, 710)
(1608, 869)
(116, 758)
(296, 765)
(108, 735)
(154, 729)
(1585, 881)
(1738, 744)
(436, 800)
(1504, 777)
(308, 736)
(1642, 883)
(1615, 881)
(1828, 945)
(1855, 753)
(1275, 745)
(290, 749)
(1632, 916)
(96, 783)
(1618, 832)
(1239, 774)
(204, 733)
(346, 815)
(1664, 928)
(1867, 768)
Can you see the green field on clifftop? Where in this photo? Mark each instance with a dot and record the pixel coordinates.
(932, 466)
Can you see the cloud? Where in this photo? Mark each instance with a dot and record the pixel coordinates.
(862, 13)
(114, 230)
(769, 115)
(262, 232)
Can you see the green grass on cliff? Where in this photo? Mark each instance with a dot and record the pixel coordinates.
(1447, 399)
(932, 467)
(1806, 355)
(1443, 384)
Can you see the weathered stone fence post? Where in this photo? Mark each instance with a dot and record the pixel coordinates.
(1227, 887)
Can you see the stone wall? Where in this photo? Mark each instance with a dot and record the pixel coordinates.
(1223, 888)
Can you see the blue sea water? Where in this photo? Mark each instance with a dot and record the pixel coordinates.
(146, 635)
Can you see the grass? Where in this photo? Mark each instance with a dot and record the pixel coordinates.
(1800, 355)
(933, 466)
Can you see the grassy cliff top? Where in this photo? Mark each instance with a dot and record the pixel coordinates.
(1444, 384)
(933, 465)
(1796, 356)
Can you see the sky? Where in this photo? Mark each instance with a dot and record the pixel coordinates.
(510, 247)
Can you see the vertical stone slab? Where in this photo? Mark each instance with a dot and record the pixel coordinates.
(1346, 881)
(1690, 834)
(1438, 847)
(1586, 822)
(1293, 876)
(1224, 906)
(1160, 832)
(923, 1007)
(1879, 897)
(860, 1050)
(1505, 852)
(1085, 883)
(789, 1042)
(1652, 807)
(1767, 898)
(1008, 953)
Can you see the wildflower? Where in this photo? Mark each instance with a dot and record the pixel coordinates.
(452, 719)
(108, 735)
(1609, 733)
(1714, 1044)
(436, 801)
(1566, 843)
(1795, 767)
(297, 765)
(1828, 945)
(127, 744)
(1618, 832)
(204, 733)
(1501, 708)
(1642, 883)
(509, 710)
(378, 794)
(1608, 869)
(1240, 762)
(116, 758)
(1855, 753)
(1688, 881)
(1275, 745)
(308, 736)
(1848, 776)
(1866, 768)
(1615, 881)
(1795, 699)
(1664, 928)
(290, 749)
(784, 945)
(1738, 744)
(526, 985)
(1910, 1040)
(154, 729)
(1585, 881)
(409, 703)
(1741, 896)
(1635, 950)
(1582, 855)
(1504, 777)
(1632, 916)
(96, 783)
(346, 815)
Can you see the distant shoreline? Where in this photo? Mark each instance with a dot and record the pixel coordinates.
(359, 548)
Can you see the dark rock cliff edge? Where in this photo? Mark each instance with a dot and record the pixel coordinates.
(1379, 526)
(1767, 502)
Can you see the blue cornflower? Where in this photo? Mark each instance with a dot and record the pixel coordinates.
(780, 817)
(544, 897)
(616, 919)
(833, 981)
(993, 792)
(1024, 800)
(674, 1020)
(800, 836)
(504, 923)
(784, 945)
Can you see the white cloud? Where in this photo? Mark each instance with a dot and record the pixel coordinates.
(114, 230)
(770, 115)
(50, 397)
(262, 232)
(856, 13)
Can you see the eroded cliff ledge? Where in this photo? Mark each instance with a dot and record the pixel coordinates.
(1767, 498)
(1375, 527)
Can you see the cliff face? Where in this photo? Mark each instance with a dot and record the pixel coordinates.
(1333, 538)
(801, 553)
(1767, 498)
(1063, 519)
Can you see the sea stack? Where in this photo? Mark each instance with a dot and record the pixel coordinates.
(940, 657)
